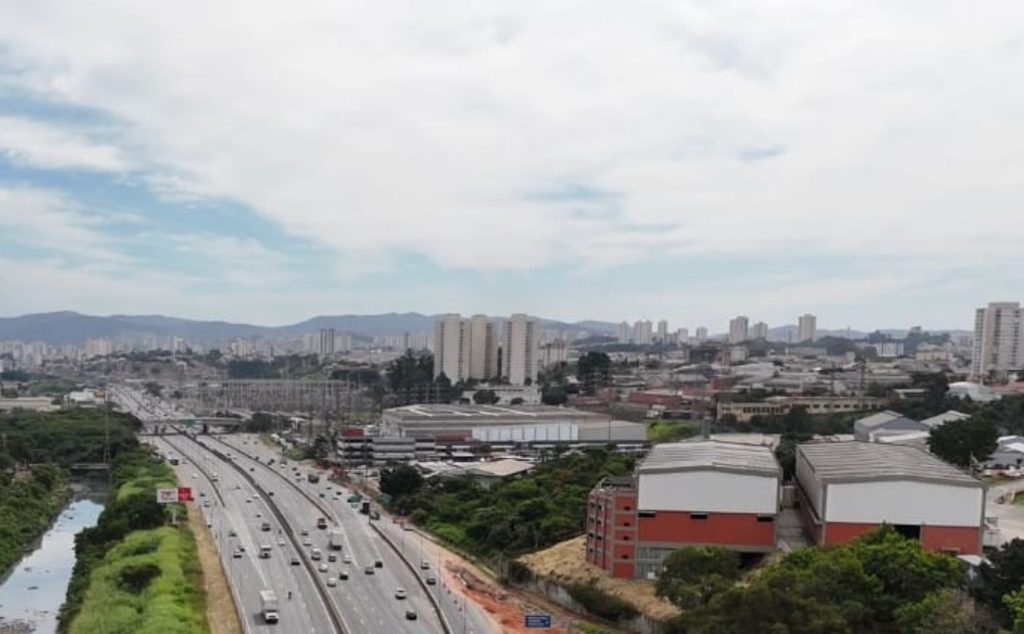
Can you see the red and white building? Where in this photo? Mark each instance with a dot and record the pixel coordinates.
(684, 494)
(848, 489)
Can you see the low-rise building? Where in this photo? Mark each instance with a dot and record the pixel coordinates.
(702, 492)
(779, 405)
(885, 423)
(848, 489)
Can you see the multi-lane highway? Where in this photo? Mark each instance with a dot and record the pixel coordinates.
(373, 590)
(235, 514)
(462, 617)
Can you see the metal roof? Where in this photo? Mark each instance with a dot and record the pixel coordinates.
(881, 418)
(710, 455)
(866, 461)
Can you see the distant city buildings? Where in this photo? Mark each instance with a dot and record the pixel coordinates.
(662, 336)
(807, 326)
(738, 327)
(701, 334)
(471, 348)
(998, 341)
(759, 331)
(642, 333)
(625, 335)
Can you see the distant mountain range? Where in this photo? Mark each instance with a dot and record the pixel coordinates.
(67, 327)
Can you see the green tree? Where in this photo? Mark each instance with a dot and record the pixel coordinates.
(485, 397)
(1001, 576)
(964, 442)
(692, 576)
(554, 395)
(400, 480)
(593, 371)
(947, 611)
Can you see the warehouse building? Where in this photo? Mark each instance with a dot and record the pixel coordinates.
(848, 489)
(871, 428)
(512, 424)
(684, 494)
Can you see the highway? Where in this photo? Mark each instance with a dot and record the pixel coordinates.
(238, 510)
(467, 618)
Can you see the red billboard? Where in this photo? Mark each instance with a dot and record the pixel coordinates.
(185, 494)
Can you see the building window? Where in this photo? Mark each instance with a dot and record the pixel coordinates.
(765, 519)
(646, 513)
(698, 516)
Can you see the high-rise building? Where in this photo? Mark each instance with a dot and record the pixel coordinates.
(663, 331)
(643, 331)
(325, 344)
(998, 341)
(738, 329)
(701, 334)
(520, 353)
(624, 332)
(483, 349)
(451, 347)
(807, 327)
(682, 336)
(759, 330)
(553, 353)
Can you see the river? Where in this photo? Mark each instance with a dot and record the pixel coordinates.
(34, 591)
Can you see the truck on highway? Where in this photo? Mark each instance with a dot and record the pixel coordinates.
(366, 507)
(269, 607)
(265, 551)
(335, 538)
(213, 477)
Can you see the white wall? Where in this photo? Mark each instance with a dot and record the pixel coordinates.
(554, 432)
(904, 503)
(810, 484)
(715, 491)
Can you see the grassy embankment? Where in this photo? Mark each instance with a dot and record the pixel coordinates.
(134, 573)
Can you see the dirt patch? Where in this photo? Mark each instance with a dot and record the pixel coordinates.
(566, 563)
(220, 605)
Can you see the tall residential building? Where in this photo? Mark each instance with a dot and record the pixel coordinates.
(663, 331)
(553, 353)
(520, 353)
(643, 331)
(325, 343)
(759, 331)
(738, 329)
(451, 347)
(483, 349)
(701, 334)
(998, 341)
(807, 327)
(624, 332)
(682, 336)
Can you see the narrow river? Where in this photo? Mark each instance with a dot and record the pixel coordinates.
(34, 591)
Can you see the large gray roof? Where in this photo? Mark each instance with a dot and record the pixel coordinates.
(879, 419)
(867, 461)
(710, 454)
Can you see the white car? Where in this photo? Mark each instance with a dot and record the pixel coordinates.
(331, 582)
(347, 558)
(307, 541)
(280, 541)
(322, 567)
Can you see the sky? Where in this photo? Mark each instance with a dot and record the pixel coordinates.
(689, 160)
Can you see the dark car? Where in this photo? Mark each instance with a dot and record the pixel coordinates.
(410, 615)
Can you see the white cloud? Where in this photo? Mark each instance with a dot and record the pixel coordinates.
(47, 146)
(850, 129)
(41, 219)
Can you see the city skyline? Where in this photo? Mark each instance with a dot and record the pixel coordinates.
(140, 176)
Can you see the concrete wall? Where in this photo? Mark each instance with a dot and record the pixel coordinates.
(904, 502)
(708, 491)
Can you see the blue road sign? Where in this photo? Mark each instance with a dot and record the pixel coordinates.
(538, 620)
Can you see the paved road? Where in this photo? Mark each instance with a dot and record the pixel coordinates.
(249, 574)
(464, 617)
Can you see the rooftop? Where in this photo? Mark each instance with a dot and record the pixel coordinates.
(946, 417)
(879, 419)
(710, 454)
(485, 414)
(862, 461)
(501, 468)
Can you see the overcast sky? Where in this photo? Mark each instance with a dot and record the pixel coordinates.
(691, 160)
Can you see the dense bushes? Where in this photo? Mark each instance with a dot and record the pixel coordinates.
(142, 590)
(27, 507)
(64, 437)
(517, 515)
(879, 583)
(131, 506)
(601, 604)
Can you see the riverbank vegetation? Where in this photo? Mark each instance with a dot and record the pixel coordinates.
(63, 438)
(514, 515)
(132, 517)
(29, 502)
